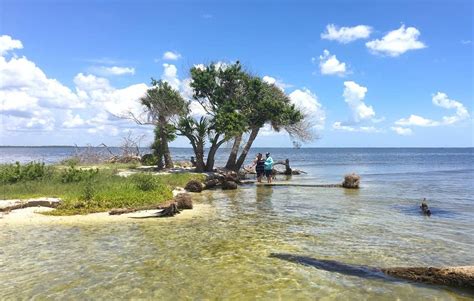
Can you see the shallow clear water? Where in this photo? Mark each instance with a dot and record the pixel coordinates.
(225, 254)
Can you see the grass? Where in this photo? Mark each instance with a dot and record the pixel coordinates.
(84, 191)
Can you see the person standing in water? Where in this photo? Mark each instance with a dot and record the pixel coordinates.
(259, 164)
(268, 168)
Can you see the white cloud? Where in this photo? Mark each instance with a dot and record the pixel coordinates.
(273, 81)
(466, 42)
(330, 65)
(72, 121)
(308, 103)
(20, 75)
(402, 131)
(364, 129)
(8, 44)
(417, 121)
(441, 100)
(171, 56)
(114, 70)
(354, 95)
(170, 75)
(397, 42)
(346, 34)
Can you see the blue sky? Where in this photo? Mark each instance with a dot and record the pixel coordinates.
(385, 73)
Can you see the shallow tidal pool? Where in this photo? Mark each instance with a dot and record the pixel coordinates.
(225, 253)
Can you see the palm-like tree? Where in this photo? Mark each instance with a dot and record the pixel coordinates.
(163, 104)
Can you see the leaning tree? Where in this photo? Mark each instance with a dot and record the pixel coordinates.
(162, 104)
(265, 104)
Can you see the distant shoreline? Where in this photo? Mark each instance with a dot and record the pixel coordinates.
(256, 147)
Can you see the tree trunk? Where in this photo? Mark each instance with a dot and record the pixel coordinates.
(212, 152)
(199, 152)
(165, 150)
(233, 153)
(246, 149)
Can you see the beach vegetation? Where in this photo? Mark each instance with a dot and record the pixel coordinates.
(91, 190)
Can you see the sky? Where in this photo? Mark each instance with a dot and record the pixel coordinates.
(366, 73)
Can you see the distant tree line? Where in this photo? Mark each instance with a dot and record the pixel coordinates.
(236, 103)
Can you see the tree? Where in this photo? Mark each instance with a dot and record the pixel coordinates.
(263, 104)
(196, 132)
(219, 89)
(162, 104)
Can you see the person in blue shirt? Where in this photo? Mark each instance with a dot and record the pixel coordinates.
(268, 168)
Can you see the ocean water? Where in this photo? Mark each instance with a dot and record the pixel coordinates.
(226, 254)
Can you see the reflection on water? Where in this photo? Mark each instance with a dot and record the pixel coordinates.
(226, 254)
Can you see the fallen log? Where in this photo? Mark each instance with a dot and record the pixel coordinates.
(119, 211)
(462, 276)
(9, 205)
(459, 276)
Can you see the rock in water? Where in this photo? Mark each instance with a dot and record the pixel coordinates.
(424, 208)
(193, 186)
(211, 183)
(184, 201)
(351, 181)
(229, 185)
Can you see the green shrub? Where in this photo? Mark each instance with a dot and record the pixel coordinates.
(73, 174)
(12, 173)
(149, 159)
(145, 182)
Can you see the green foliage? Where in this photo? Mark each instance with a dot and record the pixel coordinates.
(149, 159)
(12, 173)
(145, 182)
(100, 192)
(73, 174)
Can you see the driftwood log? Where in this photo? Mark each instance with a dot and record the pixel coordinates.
(462, 277)
(7, 206)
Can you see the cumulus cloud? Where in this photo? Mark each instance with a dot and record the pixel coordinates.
(309, 104)
(170, 75)
(354, 95)
(346, 34)
(273, 81)
(330, 65)
(171, 56)
(442, 100)
(397, 42)
(72, 121)
(401, 130)
(8, 44)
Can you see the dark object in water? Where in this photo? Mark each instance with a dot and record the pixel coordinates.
(424, 208)
(351, 181)
(461, 277)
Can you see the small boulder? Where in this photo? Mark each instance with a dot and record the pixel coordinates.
(351, 181)
(229, 185)
(193, 186)
(184, 201)
(211, 183)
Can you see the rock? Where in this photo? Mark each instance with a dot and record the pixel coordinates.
(231, 176)
(193, 186)
(229, 185)
(211, 183)
(184, 201)
(351, 181)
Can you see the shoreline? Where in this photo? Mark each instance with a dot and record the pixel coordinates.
(33, 216)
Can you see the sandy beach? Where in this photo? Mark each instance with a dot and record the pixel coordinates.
(32, 215)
